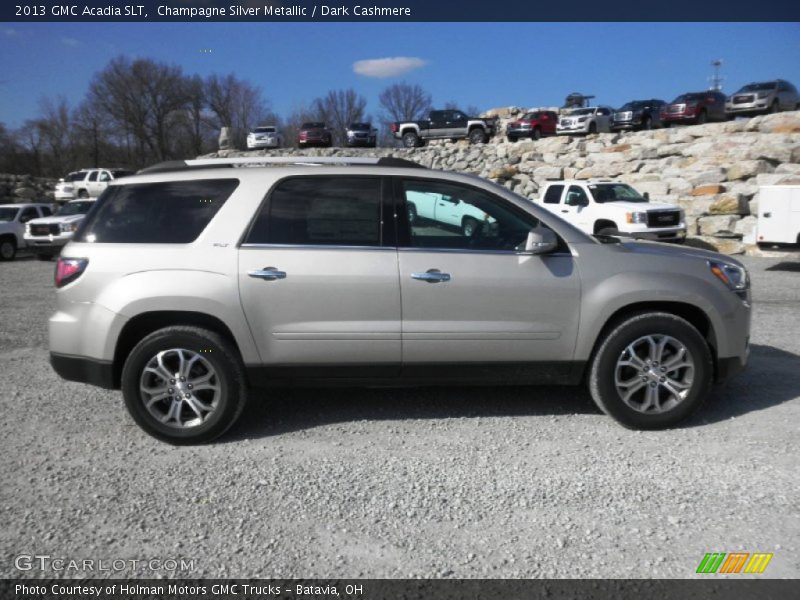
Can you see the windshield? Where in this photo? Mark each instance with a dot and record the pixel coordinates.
(8, 213)
(582, 111)
(360, 126)
(611, 192)
(687, 98)
(75, 208)
(264, 130)
(531, 115)
(78, 176)
(313, 126)
(632, 106)
(758, 87)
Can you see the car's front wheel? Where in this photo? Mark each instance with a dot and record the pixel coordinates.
(184, 385)
(478, 136)
(8, 248)
(410, 139)
(651, 371)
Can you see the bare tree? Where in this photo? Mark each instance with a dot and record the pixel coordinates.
(404, 102)
(339, 108)
(55, 124)
(142, 98)
(237, 104)
(470, 109)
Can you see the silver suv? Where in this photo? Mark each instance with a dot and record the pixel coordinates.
(766, 97)
(189, 284)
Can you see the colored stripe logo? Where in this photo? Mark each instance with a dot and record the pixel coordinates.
(734, 562)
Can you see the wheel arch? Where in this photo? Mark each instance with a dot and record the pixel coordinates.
(601, 224)
(142, 325)
(693, 314)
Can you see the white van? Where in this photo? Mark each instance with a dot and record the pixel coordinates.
(778, 215)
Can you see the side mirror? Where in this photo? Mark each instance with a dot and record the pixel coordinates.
(540, 241)
(646, 196)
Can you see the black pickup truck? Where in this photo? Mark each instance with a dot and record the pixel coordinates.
(444, 125)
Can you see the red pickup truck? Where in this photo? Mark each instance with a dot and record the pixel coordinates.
(533, 125)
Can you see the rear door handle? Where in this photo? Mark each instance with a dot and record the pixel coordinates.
(267, 274)
(432, 276)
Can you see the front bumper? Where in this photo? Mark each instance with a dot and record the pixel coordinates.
(668, 234)
(256, 144)
(356, 141)
(48, 242)
(583, 128)
(63, 196)
(758, 106)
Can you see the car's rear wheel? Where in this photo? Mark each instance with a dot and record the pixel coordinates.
(469, 226)
(651, 371)
(477, 136)
(410, 139)
(8, 248)
(184, 385)
(412, 213)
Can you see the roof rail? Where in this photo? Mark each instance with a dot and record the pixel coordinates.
(183, 165)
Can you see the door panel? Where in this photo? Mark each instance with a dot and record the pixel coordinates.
(335, 306)
(318, 274)
(494, 308)
(471, 296)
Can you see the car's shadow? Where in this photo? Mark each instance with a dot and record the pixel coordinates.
(773, 377)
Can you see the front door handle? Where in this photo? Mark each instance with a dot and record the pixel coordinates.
(564, 210)
(432, 276)
(267, 274)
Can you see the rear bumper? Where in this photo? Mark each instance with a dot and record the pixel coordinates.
(84, 370)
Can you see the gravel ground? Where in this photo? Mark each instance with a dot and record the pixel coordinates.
(453, 482)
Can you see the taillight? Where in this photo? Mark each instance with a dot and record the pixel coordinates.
(69, 269)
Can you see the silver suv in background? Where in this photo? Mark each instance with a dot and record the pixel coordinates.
(592, 119)
(266, 136)
(188, 286)
(765, 97)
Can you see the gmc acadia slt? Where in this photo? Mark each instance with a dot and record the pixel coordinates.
(189, 284)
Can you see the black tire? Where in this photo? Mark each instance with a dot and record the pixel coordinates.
(613, 231)
(537, 134)
(775, 106)
(411, 210)
(512, 139)
(44, 256)
(592, 127)
(647, 123)
(8, 248)
(477, 136)
(230, 376)
(410, 139)
(83, 194)
(604, 365)
(469, 226)
(702, 117)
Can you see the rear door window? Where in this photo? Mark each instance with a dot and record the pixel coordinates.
(553, 194)
(173, 212)
(321, 211)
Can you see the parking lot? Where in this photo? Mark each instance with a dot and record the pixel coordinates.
(441, 482)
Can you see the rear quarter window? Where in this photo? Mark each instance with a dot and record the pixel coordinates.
(174, 212)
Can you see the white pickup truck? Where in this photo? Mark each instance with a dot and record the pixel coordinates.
(445, 211)
(605, 207)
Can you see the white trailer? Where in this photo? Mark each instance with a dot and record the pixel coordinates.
(778, 214)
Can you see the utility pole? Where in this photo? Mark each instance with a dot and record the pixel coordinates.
(716, 79)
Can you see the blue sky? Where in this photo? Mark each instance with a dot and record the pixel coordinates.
(485, 65)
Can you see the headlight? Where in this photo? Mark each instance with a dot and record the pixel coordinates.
(636, 217)
(582, 119)
(68, 227)
(734, 276)
(27, 228)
